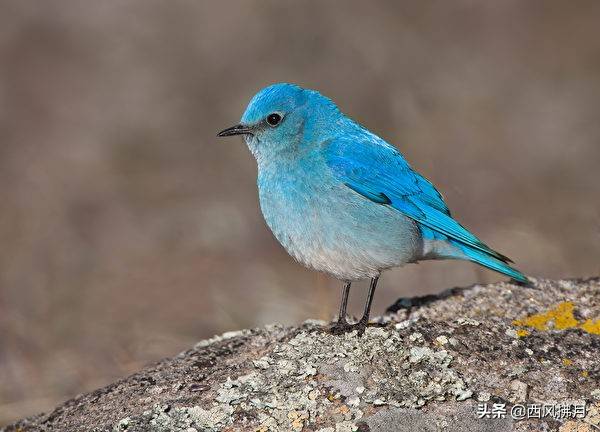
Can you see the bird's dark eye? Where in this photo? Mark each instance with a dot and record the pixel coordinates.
(273, 119)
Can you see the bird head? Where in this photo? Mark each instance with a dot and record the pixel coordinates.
(282, 119)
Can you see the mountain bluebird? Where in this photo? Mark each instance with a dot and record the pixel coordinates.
(343, 201)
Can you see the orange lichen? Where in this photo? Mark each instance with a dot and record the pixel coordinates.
(344, 409)
(561, 318)
(522, 332)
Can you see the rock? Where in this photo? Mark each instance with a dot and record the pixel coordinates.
(470, 359)
(518, 391)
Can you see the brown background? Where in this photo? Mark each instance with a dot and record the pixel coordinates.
(128, 231)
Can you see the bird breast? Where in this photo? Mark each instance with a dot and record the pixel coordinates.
(328, 227)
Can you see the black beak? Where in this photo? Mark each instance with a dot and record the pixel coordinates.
(235, 130)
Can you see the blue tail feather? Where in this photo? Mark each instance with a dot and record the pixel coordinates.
(443, 247)
(492, 263)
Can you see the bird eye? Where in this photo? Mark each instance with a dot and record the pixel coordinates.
(273, 119)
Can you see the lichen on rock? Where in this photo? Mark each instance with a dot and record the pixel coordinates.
(426, 367)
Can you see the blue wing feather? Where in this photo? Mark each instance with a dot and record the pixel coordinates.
(375, 169)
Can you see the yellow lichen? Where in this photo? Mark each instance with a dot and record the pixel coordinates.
(567, 362)
(590, 326)
(522, 332)
(561, 318)
(585, 374)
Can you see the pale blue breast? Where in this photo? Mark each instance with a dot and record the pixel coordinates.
(327, 226)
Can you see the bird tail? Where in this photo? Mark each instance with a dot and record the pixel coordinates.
(437, 245)
(440, 246)
(490, 262)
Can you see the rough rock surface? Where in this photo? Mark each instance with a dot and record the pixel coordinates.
(430, 366)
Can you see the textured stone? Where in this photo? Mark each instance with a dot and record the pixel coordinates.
(426, 367)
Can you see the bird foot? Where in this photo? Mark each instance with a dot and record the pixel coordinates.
(341, 327)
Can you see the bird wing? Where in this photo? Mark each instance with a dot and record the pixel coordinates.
(377, 171)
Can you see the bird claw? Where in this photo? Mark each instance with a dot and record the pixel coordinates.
(341, 327)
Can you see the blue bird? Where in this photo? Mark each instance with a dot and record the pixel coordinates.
(343, 201)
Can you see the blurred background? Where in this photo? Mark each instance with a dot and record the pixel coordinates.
(128, 231)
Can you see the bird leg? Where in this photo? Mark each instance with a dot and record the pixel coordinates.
(361, 325)
(342, 326)
(344, 302)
